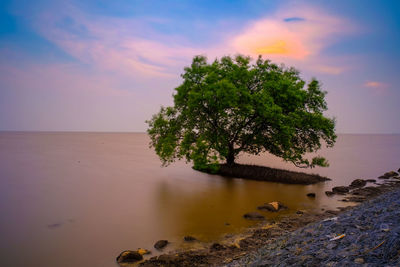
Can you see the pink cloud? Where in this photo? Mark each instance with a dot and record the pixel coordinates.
(114, 44)
(377, 87)
(296, 35)
(375, 84)
(271, 38)
(278, 37)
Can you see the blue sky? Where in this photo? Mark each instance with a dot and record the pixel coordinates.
(109, 65)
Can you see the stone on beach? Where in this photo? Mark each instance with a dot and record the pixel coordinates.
(312, 195)
(329, 193)
(340, 189)
(160, 244)
(359, 261)
(358, 183)
(391, 174)
(388, 175)
(272, 206)
(129, 256)
(253, 216)
(368, 191)
(189, 238)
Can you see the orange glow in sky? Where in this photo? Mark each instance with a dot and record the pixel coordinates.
(277, 47)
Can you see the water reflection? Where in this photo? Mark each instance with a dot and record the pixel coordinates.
(205, 211)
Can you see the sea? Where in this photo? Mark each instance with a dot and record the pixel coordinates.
(80, 198)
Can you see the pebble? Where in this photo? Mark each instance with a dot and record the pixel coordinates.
(359, 260)
(189, 238)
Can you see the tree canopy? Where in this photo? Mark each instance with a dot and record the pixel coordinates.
(233, 105)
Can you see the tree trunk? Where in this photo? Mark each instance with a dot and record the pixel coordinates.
(230, 159)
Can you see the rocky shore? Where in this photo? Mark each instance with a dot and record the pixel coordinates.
(365, 234)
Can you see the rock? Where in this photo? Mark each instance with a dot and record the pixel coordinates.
(189, 238)
(299, 212)
(129, 256)
(358, 183)
(340, 190)
(359, 261)
(311, 195)
(143, 251)
(383, 177)
(253, 216)
(390, 174)
(329, 193)
(160, 244)
(272, 206)
(384, 227)
(366, 191)
(371, 180)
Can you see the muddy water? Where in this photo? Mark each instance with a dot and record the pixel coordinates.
(78, 199)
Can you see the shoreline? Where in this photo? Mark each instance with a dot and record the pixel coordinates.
(367, 235)
(241, 246)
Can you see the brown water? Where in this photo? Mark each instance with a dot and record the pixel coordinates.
(79, 199)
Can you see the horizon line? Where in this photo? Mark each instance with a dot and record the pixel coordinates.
(143, 132)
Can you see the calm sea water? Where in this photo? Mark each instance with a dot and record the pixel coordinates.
(79, 199)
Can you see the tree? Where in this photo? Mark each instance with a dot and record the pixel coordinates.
(232, 106)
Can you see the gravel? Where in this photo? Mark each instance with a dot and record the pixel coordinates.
(371, 237)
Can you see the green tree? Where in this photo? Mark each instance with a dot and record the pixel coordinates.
(233, 106)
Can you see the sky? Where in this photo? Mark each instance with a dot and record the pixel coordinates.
(109, 65)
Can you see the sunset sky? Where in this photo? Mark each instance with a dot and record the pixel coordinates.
(109, 65)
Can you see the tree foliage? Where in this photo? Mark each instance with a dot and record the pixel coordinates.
(233, 105)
